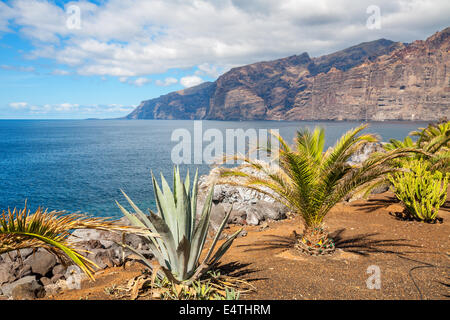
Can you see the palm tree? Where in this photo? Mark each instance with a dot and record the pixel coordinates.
(434, 138)
(51, 230)
(433, 142)
(310, 181)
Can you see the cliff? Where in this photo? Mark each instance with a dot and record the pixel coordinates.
(378, 80)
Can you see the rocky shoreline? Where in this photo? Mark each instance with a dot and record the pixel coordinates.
(30, 275)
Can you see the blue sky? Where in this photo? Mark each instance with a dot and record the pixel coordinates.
(81, 59)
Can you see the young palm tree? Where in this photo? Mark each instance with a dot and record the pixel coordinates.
(51, 230)
(433, 142)
(310, 181)
(434, 138)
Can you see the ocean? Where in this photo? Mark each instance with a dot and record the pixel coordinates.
(81, 165)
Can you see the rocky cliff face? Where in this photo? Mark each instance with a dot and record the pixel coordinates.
(378, 80)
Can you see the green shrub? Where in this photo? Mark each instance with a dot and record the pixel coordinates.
(421, 190)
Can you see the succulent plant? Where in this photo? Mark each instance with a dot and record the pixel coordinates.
(421, 190)
(181, 238)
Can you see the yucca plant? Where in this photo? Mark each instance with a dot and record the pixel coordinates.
(310, 181)
(182, 239)
(421, 191)
(51, 230)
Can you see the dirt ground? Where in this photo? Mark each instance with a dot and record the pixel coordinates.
(413, 258)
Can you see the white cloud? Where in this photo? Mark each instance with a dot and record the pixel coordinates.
(18, 105)
(166, 82)
(190, 81)
(60, 72)
(70, 108)
(213, 71)
(127, 38)
(18, 68)
(6, 13)
(139, 82)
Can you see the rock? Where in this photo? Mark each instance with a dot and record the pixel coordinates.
(28, 291)
(272, 211)
(52, 289)
(5, 274)
(98, 240)
(253, 216)
(94, 244)
(45, 281)
(243, 233)
(135, 241)
(23, 270)
(238, 217)
(363, 153)
(9, 257)
(57, 277)
(7, 289)
(107, 244)
(103, 258)
(25, 253)
(219, 194)
(83, 235)
(41, 262)
(50, 271)
(59, 269)
(381, 189)
(73, 278)
(248, 206)
(217, 215)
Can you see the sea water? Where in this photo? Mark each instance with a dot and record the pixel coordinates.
(81, 165)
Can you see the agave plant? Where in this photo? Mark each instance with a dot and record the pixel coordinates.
(310, 181)
(181, 241)
(51, 230)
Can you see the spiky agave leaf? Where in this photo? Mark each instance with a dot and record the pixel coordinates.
(181, 240)
(51, 230)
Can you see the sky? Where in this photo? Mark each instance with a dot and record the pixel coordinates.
(100, 59)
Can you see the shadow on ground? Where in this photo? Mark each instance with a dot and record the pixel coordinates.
(372, 205)
(238, 270)
(362, 244)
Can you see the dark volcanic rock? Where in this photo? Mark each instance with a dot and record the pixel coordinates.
(378, 80)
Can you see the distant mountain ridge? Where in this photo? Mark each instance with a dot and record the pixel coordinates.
(377, 80)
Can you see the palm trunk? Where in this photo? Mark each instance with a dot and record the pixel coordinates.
(315, 241)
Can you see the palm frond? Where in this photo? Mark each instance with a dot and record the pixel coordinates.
(309, 181)
(51, 230)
